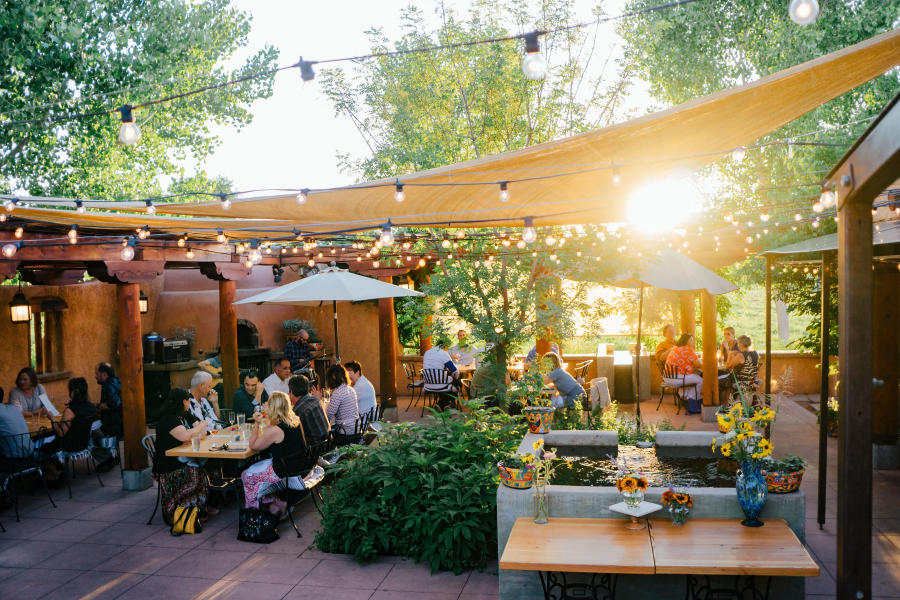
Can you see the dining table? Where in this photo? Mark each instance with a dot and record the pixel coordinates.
(218, 444)
(40, 426)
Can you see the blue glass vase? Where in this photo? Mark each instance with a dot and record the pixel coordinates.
(752, 491)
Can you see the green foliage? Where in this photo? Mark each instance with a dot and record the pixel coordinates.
(411, 314)
(67, 56)
(426, 491)
(627, 426)
(788, 464)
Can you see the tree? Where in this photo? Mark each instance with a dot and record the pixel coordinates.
(700, 48)
(71, 56)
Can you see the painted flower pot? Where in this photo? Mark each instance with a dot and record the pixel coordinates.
(781, 482)
(752, 492)
(519, 479)
(833, 427)
(539, 418)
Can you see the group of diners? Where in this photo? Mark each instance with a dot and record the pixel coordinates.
(81, 422)
(735, 358)
(286, 414)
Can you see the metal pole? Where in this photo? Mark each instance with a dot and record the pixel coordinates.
(823, 396)
(337, 351)
(767, 385)
(637, 361)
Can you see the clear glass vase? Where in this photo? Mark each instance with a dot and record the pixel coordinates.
(541, 504)
(633, 499)
(678, 513)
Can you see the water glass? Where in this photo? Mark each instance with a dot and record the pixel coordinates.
(195, 443)
(241, 419)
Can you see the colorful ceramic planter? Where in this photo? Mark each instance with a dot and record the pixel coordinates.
(519, 479)
(781, 482)
(540, 418)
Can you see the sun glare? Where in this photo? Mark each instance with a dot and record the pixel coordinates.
(662, 205)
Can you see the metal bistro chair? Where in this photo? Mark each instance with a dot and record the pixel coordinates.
(438, 378)
(581, 370)
(17, 460)
(412, 384)
(365, 424)
(149, 444)
(75, 446)
(307, 468)
(670, 373)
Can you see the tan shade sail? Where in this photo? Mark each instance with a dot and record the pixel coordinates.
(676, 272)
(579, 188)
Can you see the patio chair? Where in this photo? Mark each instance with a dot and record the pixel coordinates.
(149, 444)
(441, 384)
(75, 446)
(360, 427)
(674, 383)
(17, 460)
(412, 384)
(305, 467)
(581, 370)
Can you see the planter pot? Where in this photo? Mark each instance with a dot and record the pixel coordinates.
(752, 492)
(539, 418)
(519, 479)
(782, 482)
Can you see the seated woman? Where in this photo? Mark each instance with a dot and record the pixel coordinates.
(73, 430)
(27, 393)
(342, 408)
(729, 344)
(685, 360)
(180, 484)
(205, 400)
(567, 388)
(286, 442)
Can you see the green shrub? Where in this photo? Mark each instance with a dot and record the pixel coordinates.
(426, 491)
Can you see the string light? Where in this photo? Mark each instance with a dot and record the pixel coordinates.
(182, 241)
(255, 255)
(73, 234)
(221, 237)
(797, 216)
(504, 191)
(387, 233)
(248, 263)
(534, 65)
(128, 251)
(129, 132)
(738, 154)
(9, 250)
(2, 218)
(828, 198)
(150, 208)
(303, 196)
(616, 177)
(10, 204)
(225, 202)
(79, 207)
(399, 194)
(550, 240)
(764, 217)
(817, 206)
(19, 232)
(189, 253)
(421, 262)
(311, 262)
(445, 243)
(803, 12)
(375, 264)
(143, 232)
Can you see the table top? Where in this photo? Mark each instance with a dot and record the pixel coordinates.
(725, 547)
(206, 452)
(577, 546)
(42, 423)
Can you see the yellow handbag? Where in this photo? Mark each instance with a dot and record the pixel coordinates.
(186, 520)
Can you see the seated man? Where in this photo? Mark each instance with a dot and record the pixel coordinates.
(110, 415)
(12, 423)
(365, 391)
(277, 381)
(663, 348)
(462, 353)
(251, 396)
(437, 358)
(308, 406)
(298, 351)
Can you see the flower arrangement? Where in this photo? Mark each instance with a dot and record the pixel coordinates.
(516, 470)
(545, 466)
(631, 484)
(745, 440)
(679, 503)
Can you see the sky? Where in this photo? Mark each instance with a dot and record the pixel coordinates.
(295, 135)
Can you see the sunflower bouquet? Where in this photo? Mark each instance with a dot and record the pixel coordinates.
(631, 484)
(745, 439)
(545, 465)
(679, 504)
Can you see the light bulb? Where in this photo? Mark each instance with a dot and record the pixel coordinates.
(445, 243)
(764, 217)
(803, 12)
(533, 65)
(73, 232)
(182, 241)
(387, 235)
(797, 216)
(399, 194)
(226, 202)
(221, 237)
(248, 263)
(150, 208)
(10, 204)
(9, 250)
(143, 232)
(828, 198)
(128, 252)
(749, 239)
(616, 177)
(189, 253)
(302, 196)
(19, 232)
(255, 256)
(79, 206)
(2, 218)
(550, 240)
(529, 235)
(738, 154)
(817, 206)
(421, 262)
(815, 222)
(129, 132)
(375, 264)
(520, 244)
(504, 191)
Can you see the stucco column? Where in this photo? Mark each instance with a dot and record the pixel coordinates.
(688, 313)
(710, 366)
(387, 353)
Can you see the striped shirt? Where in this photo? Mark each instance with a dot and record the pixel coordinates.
(343, 408)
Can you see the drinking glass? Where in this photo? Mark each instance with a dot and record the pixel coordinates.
(195, 443)
(241, 419)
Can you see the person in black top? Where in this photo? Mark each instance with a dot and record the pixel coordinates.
(72, 431)
(180, 484)
(285, 440)
(307, 403)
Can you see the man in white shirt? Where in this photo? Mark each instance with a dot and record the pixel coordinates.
(278, 380)
(437, 358)
(365, 391)
(462, 353)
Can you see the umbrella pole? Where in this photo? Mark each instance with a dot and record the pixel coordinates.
(337, 351)
(637, 361)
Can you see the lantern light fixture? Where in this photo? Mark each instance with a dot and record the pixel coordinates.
(19, 307)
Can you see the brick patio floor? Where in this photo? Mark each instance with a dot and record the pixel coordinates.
(97, 545)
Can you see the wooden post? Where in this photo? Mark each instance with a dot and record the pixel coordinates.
(131, 371)
(823, 394)
(688, 313)
(767, 384)
(710, 364)
(636, 361)
(387, 343)
(228, 341)
(885, 351)
(854, 511)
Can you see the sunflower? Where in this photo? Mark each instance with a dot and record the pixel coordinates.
(726, 449)
(528, 458)
(629, 485)
(641, 483)
(764, 448)
(747, 427)
(538, 444)
(668, 496)
(682, 498)
(726, 423)
(736, 409)
(569, 463)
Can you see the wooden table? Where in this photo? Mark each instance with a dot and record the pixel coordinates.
(43, 422)
(699, 548)
(206, 452)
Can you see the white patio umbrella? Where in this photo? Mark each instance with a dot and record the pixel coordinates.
(670, 271)
(334, 284)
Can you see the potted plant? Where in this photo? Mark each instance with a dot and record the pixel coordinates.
(784, 476)
(545, 465)
(747, 444)
(517, 471)
(679, 504)
(536, 406)
(631, 484)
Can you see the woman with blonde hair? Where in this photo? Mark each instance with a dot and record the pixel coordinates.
(286, 442)
(567, 388)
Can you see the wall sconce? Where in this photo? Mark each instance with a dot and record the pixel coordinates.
(144, 303)
(19, 308)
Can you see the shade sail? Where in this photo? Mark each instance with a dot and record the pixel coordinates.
(882, 233)
(579, 188)
(676, 272)
(330, 285)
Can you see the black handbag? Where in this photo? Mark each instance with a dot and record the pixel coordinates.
(257, 526)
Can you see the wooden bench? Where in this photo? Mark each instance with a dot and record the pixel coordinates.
(698, 549)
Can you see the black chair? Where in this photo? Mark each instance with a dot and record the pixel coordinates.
(446, 386)
(362, 428)
(307, 467)
(412, 384)
(17, 459)
(670, 374)
(149, 444)
(72, 447)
